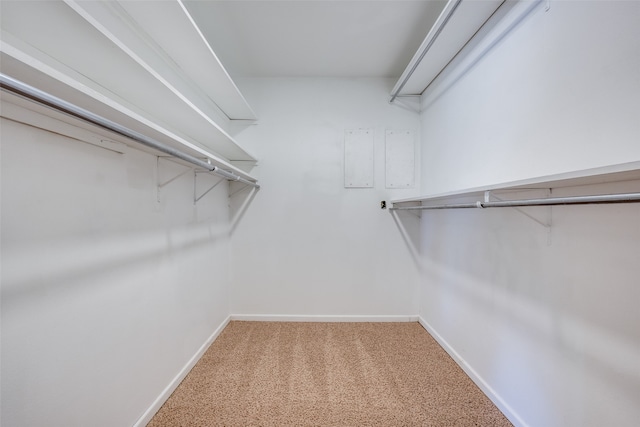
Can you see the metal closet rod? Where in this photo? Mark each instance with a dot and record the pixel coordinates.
(552, 201)
(12, 85)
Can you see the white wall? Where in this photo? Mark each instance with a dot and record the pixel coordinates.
(559, 93)
(307, 245)
(106, 294)
(552, 330)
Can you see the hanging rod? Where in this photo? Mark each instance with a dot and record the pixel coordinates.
(415, 65)
(552, 201)
(12, 85)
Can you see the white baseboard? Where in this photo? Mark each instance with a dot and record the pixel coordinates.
(321, 318)
(157, 404)
(475, 377)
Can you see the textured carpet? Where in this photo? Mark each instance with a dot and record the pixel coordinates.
(327, 374)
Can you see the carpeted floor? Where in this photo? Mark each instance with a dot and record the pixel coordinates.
(327, 374)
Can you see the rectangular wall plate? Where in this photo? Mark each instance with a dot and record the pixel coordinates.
(358, 158)
(400, 159)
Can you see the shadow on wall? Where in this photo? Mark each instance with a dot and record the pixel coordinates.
(34, 268)
(569, 299)
(408, 224)
(240, 200)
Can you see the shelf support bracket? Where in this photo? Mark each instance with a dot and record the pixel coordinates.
(417, 212)
(244, 187)
(546, 223)
(161, 184)
(196, 198)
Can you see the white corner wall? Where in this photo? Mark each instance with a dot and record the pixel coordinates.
(308, 246)
(547, 322)
(106, 293)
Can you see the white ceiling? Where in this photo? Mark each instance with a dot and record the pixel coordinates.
(307, 38)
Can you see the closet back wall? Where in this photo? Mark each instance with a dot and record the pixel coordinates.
(308, 246)
(106, 293)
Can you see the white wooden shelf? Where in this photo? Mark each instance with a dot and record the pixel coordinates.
(601, 175)
(148, 31)
(31, 112)
(118, 60)
(456, 25)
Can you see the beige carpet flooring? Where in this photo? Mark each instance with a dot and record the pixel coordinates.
(327, 374)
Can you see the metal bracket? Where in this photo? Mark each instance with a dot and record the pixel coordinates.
(160, 184)
(196, 198)
(416, 212)
(244, 187)
(547, 222)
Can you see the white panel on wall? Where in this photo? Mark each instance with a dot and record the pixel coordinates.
(358, 158)
(400, 159)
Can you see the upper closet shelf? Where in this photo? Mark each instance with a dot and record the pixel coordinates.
(457, 24)
(145, 60)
